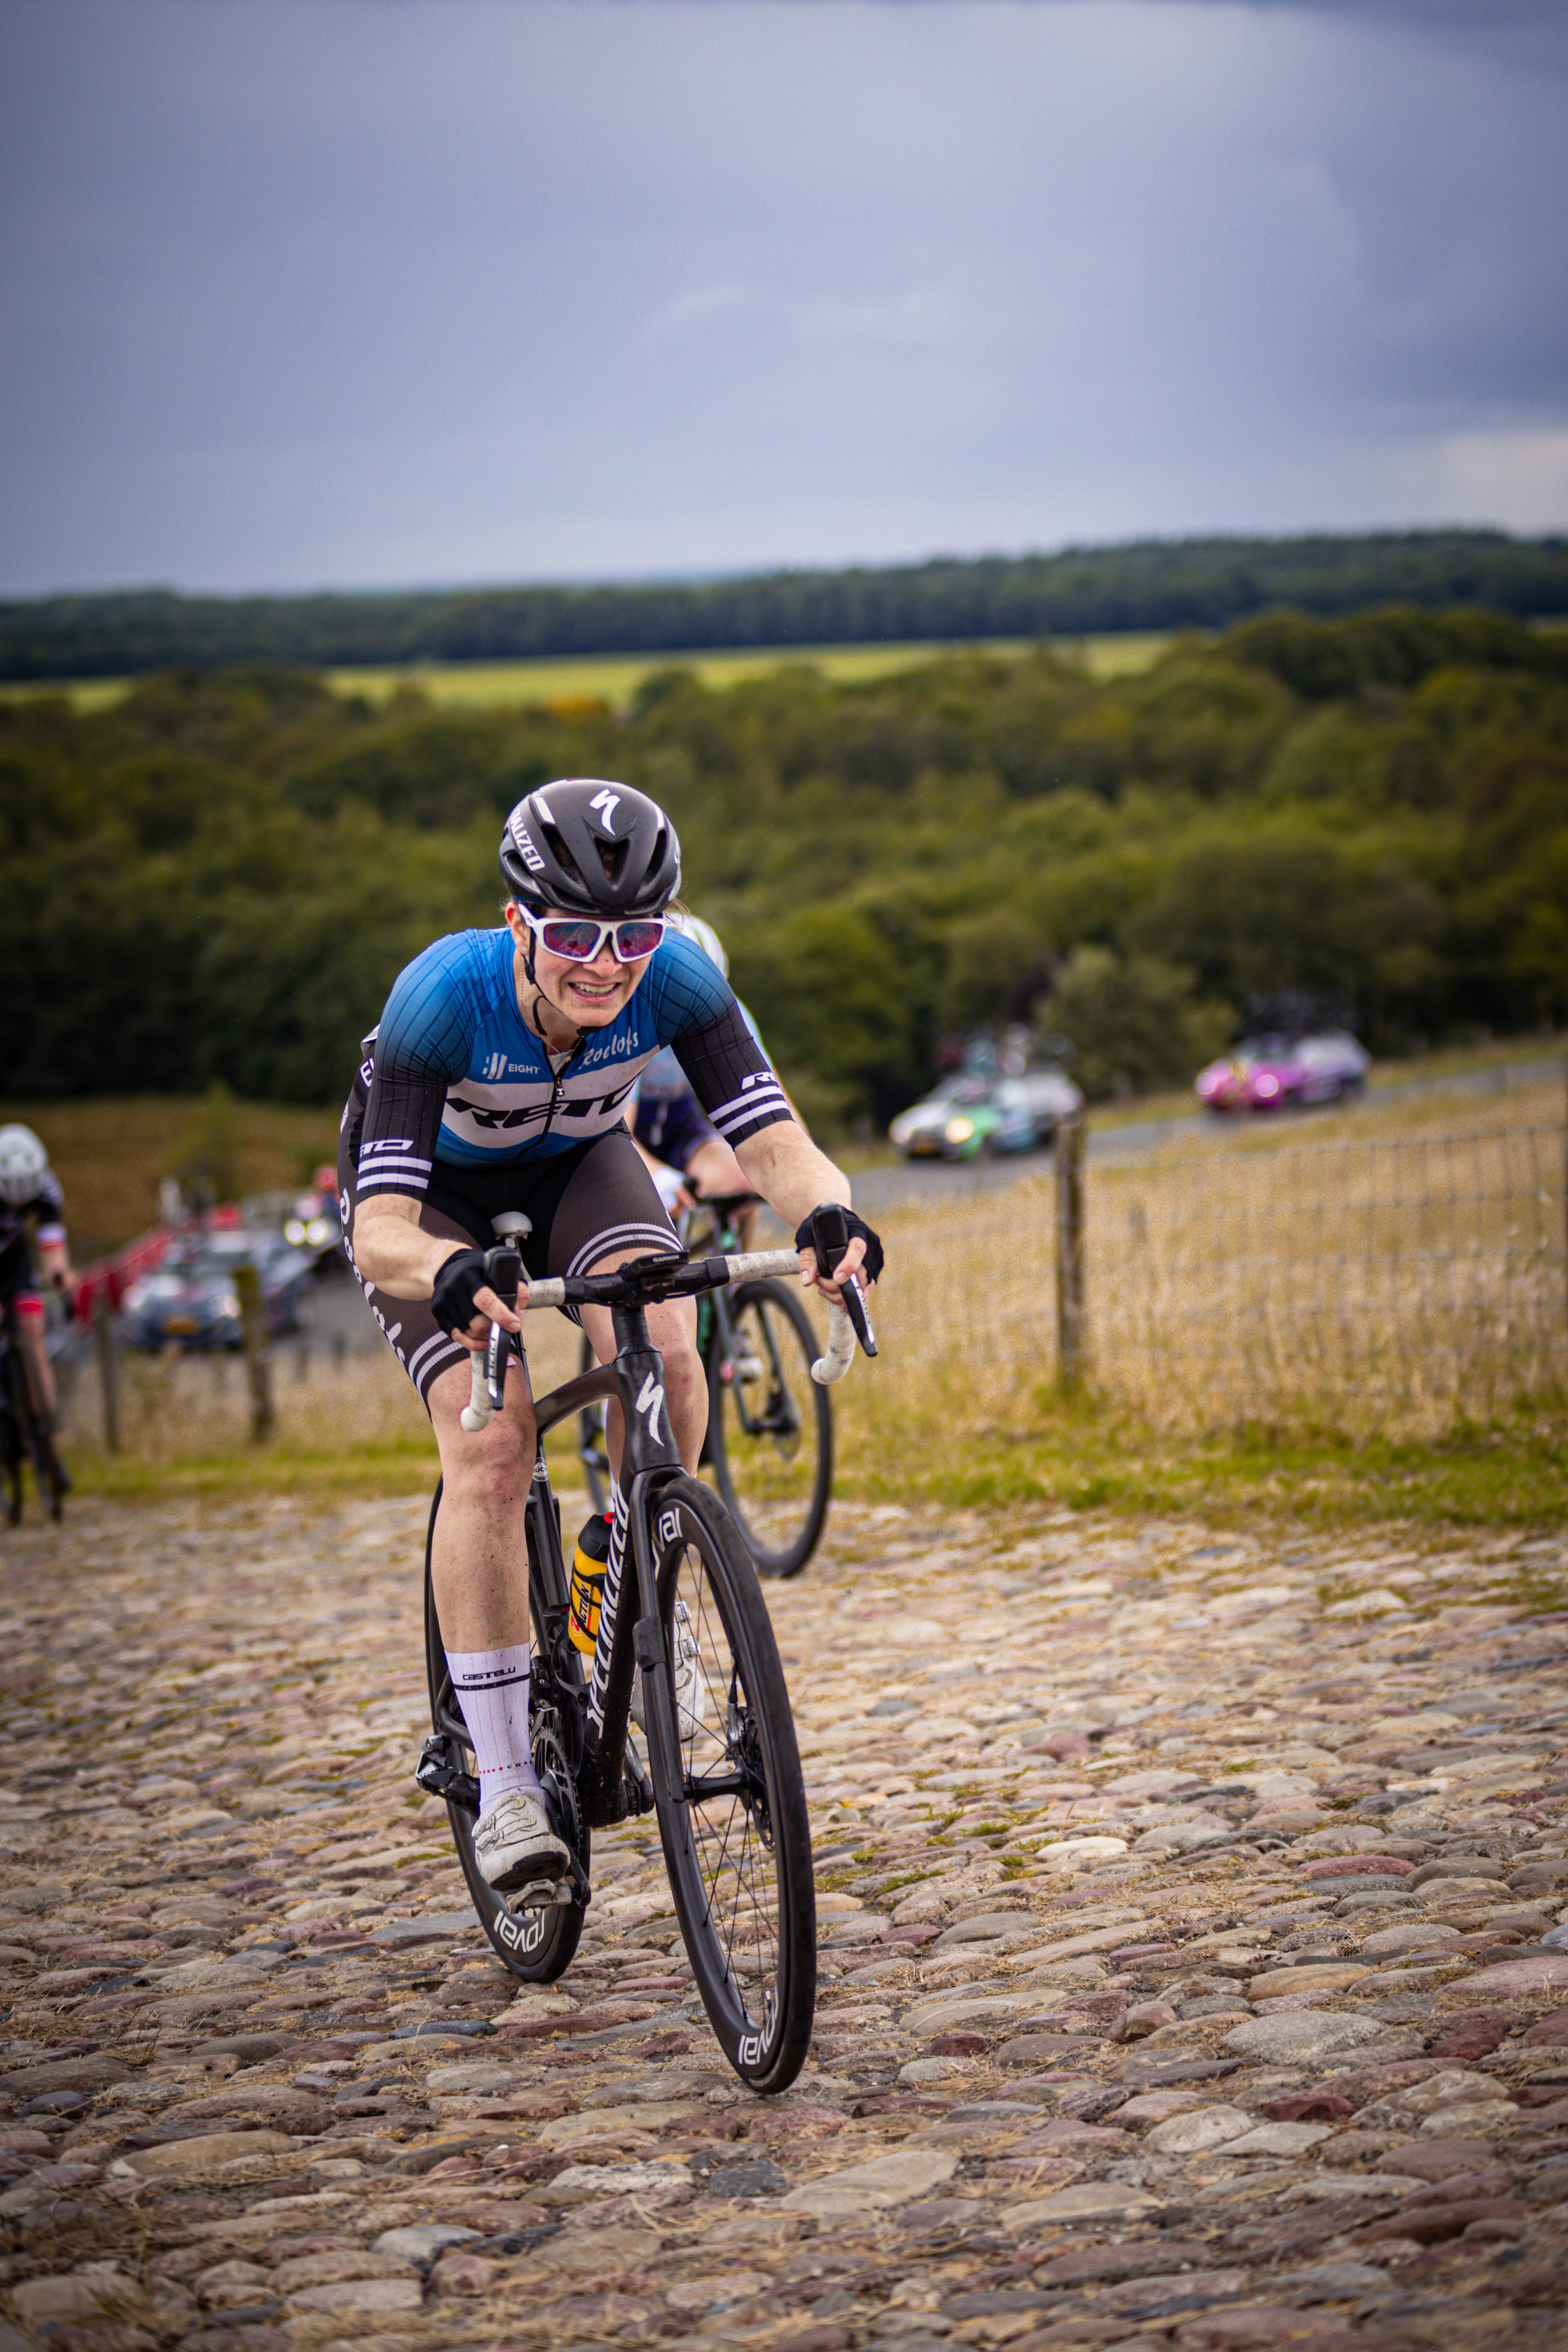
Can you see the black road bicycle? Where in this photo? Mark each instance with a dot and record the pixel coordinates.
(24, 1433)
(770, 1425)
(687, 1618)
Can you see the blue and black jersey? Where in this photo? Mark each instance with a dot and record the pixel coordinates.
(454, 1077)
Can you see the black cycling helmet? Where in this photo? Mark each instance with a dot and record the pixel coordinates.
(585, 846)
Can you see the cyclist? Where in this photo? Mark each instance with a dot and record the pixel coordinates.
(29, 1189)
(687, 1156)
(497, 1079)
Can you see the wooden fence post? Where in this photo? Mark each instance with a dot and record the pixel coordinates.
(1069, 1251)
(107, 1340)
(257, 1349)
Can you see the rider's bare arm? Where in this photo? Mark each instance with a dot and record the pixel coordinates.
(393, 1251)
(714, 1168)
(54, 1258)
(793, 1177)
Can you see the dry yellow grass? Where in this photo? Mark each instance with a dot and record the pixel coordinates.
(180, 1409)
(1398, 1271)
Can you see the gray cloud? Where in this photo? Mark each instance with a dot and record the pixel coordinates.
(296, 291)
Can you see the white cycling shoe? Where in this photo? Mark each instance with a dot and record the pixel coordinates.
(690, 1683)
(514, 1843)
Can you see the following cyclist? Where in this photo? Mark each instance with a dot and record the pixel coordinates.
(687, 1156)
(29, 1190)
(496, 1080)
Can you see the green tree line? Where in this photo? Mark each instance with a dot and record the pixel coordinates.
(1153, 584)
(217, 877)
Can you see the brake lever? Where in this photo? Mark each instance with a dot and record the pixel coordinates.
(854, 1300)
(831, 1239)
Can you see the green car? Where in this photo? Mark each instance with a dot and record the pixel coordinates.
(968, 1118)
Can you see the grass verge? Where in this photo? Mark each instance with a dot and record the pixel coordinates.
(397, 1465)
(1506, 1474)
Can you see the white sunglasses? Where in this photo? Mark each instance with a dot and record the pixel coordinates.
(577, 939)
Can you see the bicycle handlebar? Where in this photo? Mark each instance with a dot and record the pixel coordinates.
(679, 1280)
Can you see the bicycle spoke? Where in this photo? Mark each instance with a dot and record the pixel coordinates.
(728, 1801)
(770, 1428)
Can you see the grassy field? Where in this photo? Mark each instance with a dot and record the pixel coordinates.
(614, 677)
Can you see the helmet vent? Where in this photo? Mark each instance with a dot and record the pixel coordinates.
(555, 843)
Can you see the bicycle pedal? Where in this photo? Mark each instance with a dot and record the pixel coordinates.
(540, 1895)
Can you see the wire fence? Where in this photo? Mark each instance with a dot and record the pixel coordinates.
(1376, 1277)
(1395, 1281)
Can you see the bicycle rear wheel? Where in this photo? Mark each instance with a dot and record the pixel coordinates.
(735, 1833)
(34, 1441)
(770, 1427)
(12, 1451)
(536, 1944)
(593, 1448)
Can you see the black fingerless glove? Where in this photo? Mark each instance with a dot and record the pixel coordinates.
(829, 1231)
(452, 1297)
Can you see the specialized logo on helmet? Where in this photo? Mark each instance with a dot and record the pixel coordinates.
(526, 848)
(606, 803)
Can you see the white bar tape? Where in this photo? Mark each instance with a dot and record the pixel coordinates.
(750, 1263)
(546, 1294)
(840, 1348)
(478, 1413)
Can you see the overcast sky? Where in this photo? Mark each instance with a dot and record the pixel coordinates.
(298, 293)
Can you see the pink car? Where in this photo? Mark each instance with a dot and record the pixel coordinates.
(1265, 1073)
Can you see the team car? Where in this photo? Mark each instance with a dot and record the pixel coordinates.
(1266, 1072)
(968, 1118)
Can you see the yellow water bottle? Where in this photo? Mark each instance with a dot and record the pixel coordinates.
(588, 1583)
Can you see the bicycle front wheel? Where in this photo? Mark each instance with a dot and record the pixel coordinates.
(538, 1945)
(770, 1427)
(735, 1831)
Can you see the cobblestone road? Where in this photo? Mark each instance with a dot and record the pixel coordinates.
(1188, 1971)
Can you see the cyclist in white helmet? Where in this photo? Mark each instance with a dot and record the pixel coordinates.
(30, 1192)
(686, 1157)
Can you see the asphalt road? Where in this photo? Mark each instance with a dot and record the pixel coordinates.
(913, 1181)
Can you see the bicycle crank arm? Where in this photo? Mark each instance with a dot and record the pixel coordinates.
(637, 1785)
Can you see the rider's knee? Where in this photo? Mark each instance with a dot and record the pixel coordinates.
(493, 1467)
(678, 1346)
(491, 1484)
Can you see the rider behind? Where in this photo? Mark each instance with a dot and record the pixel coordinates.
(497, 1080)
(29, 1190)
(685, 1153)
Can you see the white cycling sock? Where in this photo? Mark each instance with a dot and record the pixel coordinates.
(492, 1688)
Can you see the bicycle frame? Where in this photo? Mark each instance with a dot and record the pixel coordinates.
(650, 1459)
(624, 1640)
